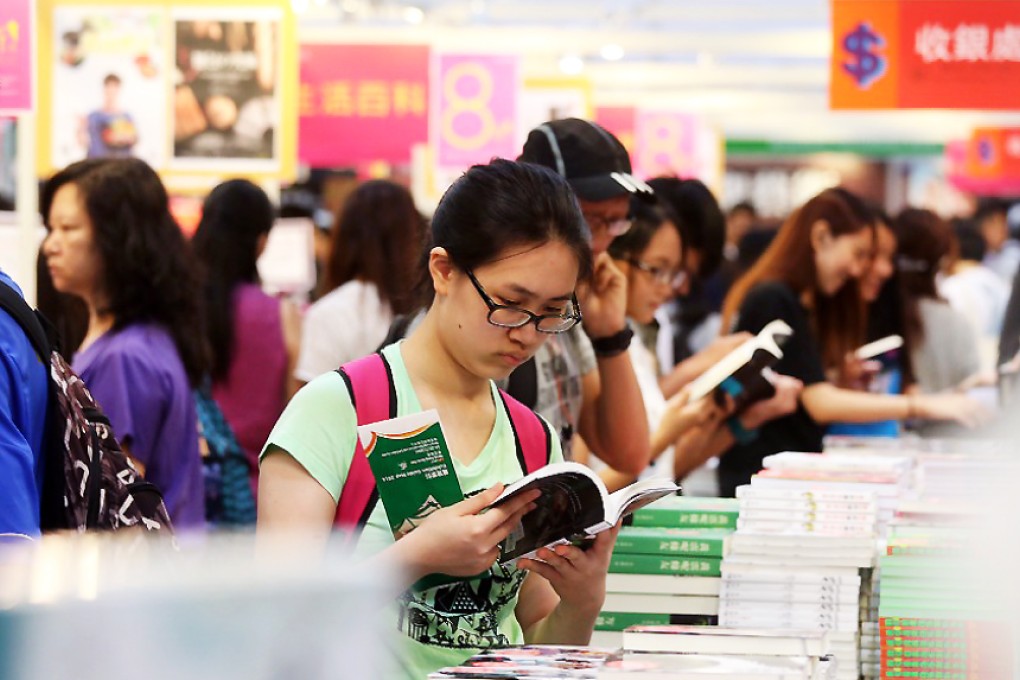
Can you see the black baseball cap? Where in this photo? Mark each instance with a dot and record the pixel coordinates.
(588, 156)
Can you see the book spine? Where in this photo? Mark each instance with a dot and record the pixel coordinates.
(651, 545)
(958, 653)
(663, 584)
(622, 620)
(673, 517)
(847, 596)
(618, 621)
(649, 564)
(924, 551)
(778, 578)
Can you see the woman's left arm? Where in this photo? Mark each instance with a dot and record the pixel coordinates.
(290, 319)
(563, 595)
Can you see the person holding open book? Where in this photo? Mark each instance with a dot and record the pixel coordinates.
(651, 255)
(808, 278)
(509, 248)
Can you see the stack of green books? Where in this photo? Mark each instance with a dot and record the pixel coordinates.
(666, 567)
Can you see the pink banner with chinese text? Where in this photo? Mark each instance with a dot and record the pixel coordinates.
(475, 108)
(362, 103)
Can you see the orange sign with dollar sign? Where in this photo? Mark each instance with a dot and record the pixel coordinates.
(475, 108)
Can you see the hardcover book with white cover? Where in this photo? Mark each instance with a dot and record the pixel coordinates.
(704, 640)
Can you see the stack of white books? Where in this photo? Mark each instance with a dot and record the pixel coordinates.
(808, 527)
(889, 478)
(964, 478)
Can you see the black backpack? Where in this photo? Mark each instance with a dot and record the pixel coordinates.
(88, 481)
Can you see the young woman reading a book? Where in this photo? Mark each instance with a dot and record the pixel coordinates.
(508, 250)
(684, 435)
(808, 278)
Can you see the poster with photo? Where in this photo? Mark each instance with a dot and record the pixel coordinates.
(227, 108)
(109, 84)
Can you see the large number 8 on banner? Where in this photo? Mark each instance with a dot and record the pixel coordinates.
(478, 104)
(662, 145)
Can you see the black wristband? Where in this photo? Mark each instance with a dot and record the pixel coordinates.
(610, 346)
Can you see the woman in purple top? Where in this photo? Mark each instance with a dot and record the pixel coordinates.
(253, 337)
(113, 243)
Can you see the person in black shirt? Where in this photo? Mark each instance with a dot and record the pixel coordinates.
(809, 278)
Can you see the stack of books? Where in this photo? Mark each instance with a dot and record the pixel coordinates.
(890, 478)
(870, 646)
(801, 648)
(666, 567)
(797, 559)
(964, 478)
(938, 616)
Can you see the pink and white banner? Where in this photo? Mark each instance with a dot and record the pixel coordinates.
(474, 108)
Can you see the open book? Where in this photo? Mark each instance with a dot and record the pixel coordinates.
(878, 347)
(573, 507)
(744, 374)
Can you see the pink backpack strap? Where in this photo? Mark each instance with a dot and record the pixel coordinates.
(370, 384)
(534, 441)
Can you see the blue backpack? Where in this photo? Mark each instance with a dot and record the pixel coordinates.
(229, 501)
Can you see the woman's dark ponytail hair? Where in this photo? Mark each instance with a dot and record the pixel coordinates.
(500, 205)
(236, 215)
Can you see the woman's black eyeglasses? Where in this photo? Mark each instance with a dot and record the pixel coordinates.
(506, 316)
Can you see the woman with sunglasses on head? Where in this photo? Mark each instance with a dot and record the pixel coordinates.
(809, 278)
(508, 249)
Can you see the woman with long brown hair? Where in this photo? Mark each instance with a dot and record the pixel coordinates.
(946, 359)
(377, 242)
(808, 278)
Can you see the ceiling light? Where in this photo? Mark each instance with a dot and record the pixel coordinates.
(414, 15)
(299, 6)
(612, 52)
(571, 64)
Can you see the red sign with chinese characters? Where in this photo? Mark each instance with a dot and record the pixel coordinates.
(925, 54)
(362, 103)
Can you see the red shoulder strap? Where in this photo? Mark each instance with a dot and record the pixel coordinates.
(370, 384)
(534, 445)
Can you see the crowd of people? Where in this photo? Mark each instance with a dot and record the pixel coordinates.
(559, 281)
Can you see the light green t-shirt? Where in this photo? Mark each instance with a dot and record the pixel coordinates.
(446, 624)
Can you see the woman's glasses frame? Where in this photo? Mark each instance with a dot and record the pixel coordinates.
(522, 317)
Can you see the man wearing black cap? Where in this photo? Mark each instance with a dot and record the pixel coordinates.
(584, 382)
